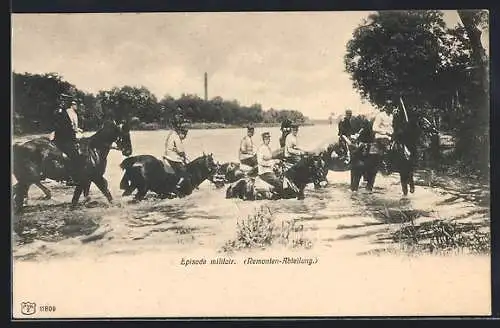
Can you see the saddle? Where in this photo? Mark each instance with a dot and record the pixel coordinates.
(167, 167)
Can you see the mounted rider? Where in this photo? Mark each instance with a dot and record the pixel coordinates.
(175, 155)
(293, 153)
(247, 154)
(285, 131)
(266, 164)
(383, 131)
(64, 136)
(345, 132)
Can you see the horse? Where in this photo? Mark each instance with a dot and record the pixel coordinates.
(39, 158)
(146, 172)
(309, 169)
(401, 157)
(230, 172)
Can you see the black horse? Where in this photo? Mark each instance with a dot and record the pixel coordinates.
(310, 169)
(39, 158)
(401, 157)
(146, 172)
(231, 172)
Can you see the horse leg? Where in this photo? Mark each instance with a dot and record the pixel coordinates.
(20, 193)
(370, 179)
(300, 194)
(355, 177)
(126, 184)
(404, 182)
(141, 192)
(46, 191)
(76, 195)
(102, 184)
(411, 181)
(86, 190)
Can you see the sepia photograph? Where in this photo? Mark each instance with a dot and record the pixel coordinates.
(250, 164)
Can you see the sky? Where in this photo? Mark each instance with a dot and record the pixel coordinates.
(287, 60)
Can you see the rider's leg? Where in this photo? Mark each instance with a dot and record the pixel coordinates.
(70, 150)
(273, 180)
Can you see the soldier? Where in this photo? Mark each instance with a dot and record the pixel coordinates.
(292, 152)
(345, 132)
(285, 131)
(266, 163)
(176, 156)
(65, 129)
(383, 131)
(247, 153)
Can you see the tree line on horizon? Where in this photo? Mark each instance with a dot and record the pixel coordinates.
(37, 96)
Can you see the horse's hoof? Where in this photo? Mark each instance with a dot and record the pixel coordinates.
(412, 190)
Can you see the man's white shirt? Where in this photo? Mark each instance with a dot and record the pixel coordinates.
(264, 159)
(291, 147)
(382, 124)
(173, 147)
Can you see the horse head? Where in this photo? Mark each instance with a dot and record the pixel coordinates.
(209, 163)
(318, 169)
(122, 140)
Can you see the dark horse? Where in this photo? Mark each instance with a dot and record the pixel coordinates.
(401, 156)
(310, 169)
(231, 172)
(146, 172)
(39, 158)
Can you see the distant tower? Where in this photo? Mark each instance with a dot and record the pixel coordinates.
(206, 87)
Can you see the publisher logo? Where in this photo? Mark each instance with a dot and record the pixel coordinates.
(28, 308)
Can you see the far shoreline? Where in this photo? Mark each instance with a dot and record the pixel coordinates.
(191, 126)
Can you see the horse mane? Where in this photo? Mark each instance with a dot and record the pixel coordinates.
(98, 137)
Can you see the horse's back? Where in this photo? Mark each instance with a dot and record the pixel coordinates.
(138, 159)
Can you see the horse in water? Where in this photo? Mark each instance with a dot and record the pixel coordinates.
(401, 157)
(146, 172)
(39, 158)
(310, 169)
(231, 172)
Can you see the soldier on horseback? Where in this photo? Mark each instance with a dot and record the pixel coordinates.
(345, 132)
(175, 155)
(266, 164)
(292, 152)
(64, 136)
(247, 153)
(383, 131)
(285, 131)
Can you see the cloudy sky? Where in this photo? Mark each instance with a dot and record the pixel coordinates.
(281, 60)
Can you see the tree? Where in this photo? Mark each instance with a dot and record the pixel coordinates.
(411, 54)
(474, 141)
(398, 53)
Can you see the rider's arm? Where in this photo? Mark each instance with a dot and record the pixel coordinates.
(179, 147)
(264, 158)
(292, 147)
